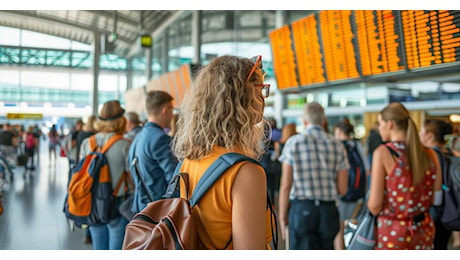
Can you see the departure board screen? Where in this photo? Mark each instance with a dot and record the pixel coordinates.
(283, 58)
(337, 39)
(308, 51)
(431, 37)
(379, 41)
(335, 45)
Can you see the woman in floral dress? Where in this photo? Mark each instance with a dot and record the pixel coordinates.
(405, 179)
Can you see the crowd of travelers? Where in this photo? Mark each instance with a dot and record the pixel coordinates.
(305, 173)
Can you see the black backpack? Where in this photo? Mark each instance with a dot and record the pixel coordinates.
(450, 207)
(356, 173)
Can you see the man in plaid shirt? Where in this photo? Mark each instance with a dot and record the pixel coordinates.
(314, 174)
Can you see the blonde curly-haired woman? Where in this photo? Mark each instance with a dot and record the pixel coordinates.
(221, 114)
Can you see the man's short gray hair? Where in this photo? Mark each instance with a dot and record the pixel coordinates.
(313, 113)
(133, 117)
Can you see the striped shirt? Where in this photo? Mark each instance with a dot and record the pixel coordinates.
(316, 157)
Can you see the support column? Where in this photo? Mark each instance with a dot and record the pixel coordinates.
(129, 73)
(96, 60)
(196, 37)
(280, 102)
(164, 53)
(148, 63)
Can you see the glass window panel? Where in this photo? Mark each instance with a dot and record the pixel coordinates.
(34, 39)
(108, 83)
(48, 79)
(9, 77)
(10, 36)
(80, 46)
(81, 81)
(122, 83)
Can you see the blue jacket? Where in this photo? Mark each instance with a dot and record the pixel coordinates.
(156, 163)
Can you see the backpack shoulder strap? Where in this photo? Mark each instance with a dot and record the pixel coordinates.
(393, 153)
(214, 172)
(174, 184)
(137, 171)
(92, 143)
(346, 145)
(439, 160)
(113, 139)
(449, 152)
(211, 175)
(358, 155)
(120, 181)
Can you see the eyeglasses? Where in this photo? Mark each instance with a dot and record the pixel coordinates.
(265, 89)
(258, 65)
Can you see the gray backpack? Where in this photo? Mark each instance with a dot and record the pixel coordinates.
(450, 208)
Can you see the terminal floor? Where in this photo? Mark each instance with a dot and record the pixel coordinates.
(33, 217)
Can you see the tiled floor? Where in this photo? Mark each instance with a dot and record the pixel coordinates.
(33, 217)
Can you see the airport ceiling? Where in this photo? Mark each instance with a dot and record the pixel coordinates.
(129, 25)
(80, 25)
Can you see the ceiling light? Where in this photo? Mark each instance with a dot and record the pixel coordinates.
(454, 118)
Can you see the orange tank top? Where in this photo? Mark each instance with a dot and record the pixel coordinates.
(215, 207)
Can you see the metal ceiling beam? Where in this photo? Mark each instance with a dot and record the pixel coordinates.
(154, 22)
(109, 14)
(153, 19)
(159, 29)
(71, 24)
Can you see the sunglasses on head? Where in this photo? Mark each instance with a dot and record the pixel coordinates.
(258, 65)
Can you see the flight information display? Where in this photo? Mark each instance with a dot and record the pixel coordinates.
(431, 37)
(337, 39)
(379, 41)
(308, 51)
(335, 45)
(284, 63)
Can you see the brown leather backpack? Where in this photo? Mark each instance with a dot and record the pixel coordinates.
(169, 223)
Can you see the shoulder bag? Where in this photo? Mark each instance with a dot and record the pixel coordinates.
(125, 207)
(364, 237)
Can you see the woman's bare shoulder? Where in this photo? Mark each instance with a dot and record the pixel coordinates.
(382, 149)
(250, 173)
(251, 168)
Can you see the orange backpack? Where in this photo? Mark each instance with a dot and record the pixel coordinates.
(90, 198)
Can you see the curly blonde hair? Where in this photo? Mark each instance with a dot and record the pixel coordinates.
(221, 109)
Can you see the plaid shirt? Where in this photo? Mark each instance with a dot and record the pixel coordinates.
(316, 157)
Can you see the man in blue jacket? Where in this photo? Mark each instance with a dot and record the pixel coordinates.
(152, 147)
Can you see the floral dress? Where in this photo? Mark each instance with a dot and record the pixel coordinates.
(405, 222)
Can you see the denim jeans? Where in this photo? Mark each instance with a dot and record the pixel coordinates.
(109, 236)
(313, 225)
